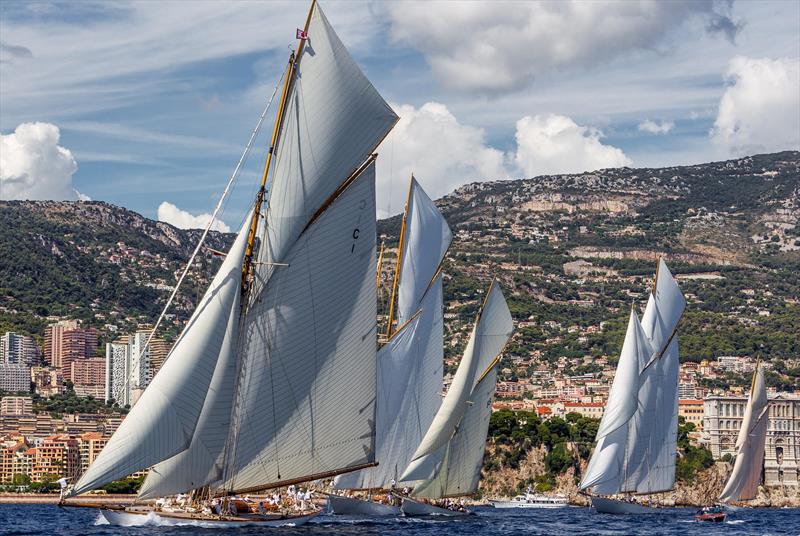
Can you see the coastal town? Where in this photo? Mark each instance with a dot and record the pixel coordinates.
(42, 442)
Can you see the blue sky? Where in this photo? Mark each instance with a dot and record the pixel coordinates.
(154, 101)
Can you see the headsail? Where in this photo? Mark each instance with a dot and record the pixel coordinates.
(605, 472)
(444, 443)
(637, 440)
(743, 482)
(163, 421)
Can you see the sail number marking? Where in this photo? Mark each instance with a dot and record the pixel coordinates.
(356, 230)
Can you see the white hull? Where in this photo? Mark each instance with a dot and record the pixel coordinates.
(522, 504)
(130, 519)
(612, 506)
(351, 506)
(411, 507)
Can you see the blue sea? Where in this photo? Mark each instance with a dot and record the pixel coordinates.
(48, 520)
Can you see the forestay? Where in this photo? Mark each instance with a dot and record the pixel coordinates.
(163, 421)
(743, 482)
(307, 397)
(491, 332)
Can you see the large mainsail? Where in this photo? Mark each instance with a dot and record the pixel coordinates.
(637, 439)
(306, 397)
(743, 483)
(410, 364)
(163, 421)
(447, 462)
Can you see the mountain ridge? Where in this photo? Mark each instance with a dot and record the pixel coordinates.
(571, 250)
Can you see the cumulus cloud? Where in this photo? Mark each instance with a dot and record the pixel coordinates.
(549, 144)
(169, 213)
(502, 46)
(760, 109)
(441, 152)
(655, 127)
(444, 153)
(34, 166)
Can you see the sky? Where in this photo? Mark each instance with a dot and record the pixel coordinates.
(149, 105)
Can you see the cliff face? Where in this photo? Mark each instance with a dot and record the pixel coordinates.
(702, 491)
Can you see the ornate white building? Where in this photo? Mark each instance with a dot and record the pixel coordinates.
(722, 418)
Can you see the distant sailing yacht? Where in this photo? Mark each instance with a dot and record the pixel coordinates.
(743, 483)
(410, 364)
(448, 461)
(272, 382)
(637, 439)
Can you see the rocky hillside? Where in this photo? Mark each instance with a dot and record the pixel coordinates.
(94, 261)
(572, 251)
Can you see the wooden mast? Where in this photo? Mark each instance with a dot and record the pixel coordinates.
(399, 260)
(380, 265)
(291, 68)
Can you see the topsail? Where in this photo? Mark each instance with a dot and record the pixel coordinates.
(743, 482)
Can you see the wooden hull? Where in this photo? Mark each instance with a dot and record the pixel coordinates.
(350, 506)
(143, 517)
(716, 518)
(414, 508)
(612, 506)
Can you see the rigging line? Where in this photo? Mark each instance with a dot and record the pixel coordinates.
(214, 214)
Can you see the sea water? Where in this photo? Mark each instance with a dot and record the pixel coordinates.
(49, 520)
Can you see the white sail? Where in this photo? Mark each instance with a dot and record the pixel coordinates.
(427, 238)
(461, 470)
(637, 440)
(308, 390)
(743, 482)
(334, 119)
(410, 365)
(309, 335)
(653, 443)
(606, 470)
(653, 438)
(490, 334)
(665, 307)
(163, 421)
(201, 463)
(409, 386)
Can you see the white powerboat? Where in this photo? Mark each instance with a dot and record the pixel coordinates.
(529, 500)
